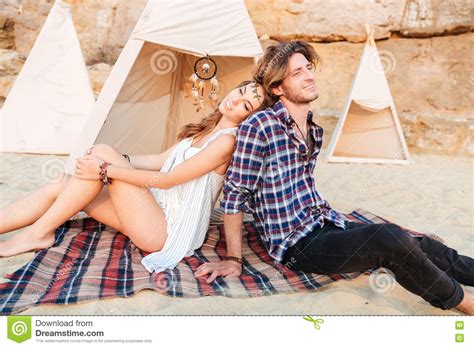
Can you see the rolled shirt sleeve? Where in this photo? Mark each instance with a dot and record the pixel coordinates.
(245, 170)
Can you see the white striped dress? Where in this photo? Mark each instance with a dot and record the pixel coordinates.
(187, 208)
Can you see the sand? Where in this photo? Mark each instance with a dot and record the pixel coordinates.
(434, 195)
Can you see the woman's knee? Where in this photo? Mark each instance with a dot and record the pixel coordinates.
(59, 184)
(109, 154)
(103, 150)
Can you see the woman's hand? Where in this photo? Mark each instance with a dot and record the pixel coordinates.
(88, 167)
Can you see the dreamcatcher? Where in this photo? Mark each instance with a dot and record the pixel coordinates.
(205, 69)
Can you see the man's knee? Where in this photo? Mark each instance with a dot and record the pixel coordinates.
(395, 240)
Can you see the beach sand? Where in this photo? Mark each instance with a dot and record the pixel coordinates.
(434, 195)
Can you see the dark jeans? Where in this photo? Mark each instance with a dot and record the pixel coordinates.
(421, 265)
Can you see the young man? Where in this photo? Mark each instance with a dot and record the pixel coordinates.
(271, 176)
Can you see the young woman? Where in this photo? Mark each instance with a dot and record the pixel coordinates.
(161, 202)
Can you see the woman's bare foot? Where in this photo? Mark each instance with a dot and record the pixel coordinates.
(467, 303)
(25, 241)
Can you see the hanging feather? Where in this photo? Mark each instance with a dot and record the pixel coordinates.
(213, 93)
(200, 87)
(214, 85)
(201, 104)
(195, 95)
(193, 78)
(213, 96)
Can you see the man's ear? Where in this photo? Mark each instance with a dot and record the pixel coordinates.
(278, 91)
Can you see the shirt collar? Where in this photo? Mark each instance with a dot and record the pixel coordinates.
(284, 115)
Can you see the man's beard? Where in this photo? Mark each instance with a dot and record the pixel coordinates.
(297, 97)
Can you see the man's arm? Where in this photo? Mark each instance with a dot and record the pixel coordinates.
(226, 268)
(243, 177)
(233, 233)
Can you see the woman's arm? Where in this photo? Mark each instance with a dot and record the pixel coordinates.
(150, 162)
(215, 154)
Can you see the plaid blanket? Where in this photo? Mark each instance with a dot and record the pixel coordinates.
(90, 261)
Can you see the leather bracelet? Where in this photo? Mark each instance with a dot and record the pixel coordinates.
(126, 156)
(234, 258)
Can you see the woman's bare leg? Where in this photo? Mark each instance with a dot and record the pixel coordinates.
(30, 208)
(40, 235)
(140, 217)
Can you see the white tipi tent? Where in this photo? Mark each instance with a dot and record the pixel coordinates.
(369, 130)
(48, 103)
(142, 104)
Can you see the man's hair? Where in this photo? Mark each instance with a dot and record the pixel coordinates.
(273, 67)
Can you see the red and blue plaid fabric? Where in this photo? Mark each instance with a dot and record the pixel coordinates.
(271, 177)
(90, 261)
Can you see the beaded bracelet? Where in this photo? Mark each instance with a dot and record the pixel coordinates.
(103, 174)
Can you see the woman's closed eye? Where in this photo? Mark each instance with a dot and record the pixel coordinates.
(246, 103)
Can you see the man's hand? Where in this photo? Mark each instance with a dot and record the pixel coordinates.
(226, 269)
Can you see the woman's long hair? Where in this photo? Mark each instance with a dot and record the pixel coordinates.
(207, 123)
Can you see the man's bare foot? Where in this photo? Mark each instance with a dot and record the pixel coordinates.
(436, 237)
(25, 241)
(467, 303)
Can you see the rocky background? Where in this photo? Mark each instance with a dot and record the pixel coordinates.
(427, 48)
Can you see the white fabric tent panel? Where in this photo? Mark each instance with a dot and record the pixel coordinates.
(136, 128)
(213, 27)
(370, 89)
(137, 90)
(369, 135)
(51, 97)
(141, 117)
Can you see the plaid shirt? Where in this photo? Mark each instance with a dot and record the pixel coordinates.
(270, 177)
